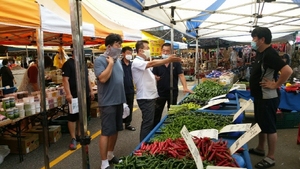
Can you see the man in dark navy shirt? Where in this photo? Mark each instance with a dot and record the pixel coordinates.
(128, 84)
(162, 75)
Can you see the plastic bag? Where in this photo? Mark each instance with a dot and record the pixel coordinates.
(126, 110)
(4, 151)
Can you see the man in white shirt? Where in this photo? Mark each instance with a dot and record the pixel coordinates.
(144, 80)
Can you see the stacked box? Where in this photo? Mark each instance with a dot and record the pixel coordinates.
(95, 112)
(29, 142)
(63, 122)
(54, 133)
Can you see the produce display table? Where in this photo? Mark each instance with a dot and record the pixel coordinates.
(288, 100)
(227, 108)
(13, 126)
(186, 114)
(244, 154)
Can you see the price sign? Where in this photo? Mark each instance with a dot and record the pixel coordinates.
(211, 133)
(248, 135)
(214, 102)
(220, 167)
(237, 114)
(192, 147)
(236, 128)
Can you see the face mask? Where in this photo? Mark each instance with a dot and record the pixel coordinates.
(164, 56)
(253, 45)
(115, 52)
(147, 54)
(128, 57)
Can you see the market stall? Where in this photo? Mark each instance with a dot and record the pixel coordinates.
(166, 147)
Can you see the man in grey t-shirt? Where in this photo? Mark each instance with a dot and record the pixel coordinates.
(111, 96)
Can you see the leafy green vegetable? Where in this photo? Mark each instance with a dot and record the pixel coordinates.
(205, 91)
(193, 121)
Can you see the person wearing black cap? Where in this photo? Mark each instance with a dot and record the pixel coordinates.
(70, 86)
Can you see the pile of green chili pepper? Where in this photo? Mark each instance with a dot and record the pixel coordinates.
(193, 121)
(203, 92)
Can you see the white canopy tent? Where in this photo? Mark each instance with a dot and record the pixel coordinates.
(100, 12)
(220, 18)
(55, 23)
(289, 36)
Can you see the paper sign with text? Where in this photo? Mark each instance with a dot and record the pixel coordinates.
(234, 88)
(217, 97)
(220, 167)
(236, 128)
(73, 107)
(192, 147)
(238, 113)
(214, 102)
(248, 135)
(211, 133)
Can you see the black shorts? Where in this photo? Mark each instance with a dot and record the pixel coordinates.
(111, 119)
(265, 114)
(75, 117)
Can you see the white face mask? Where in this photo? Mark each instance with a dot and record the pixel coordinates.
(164, 56)
(147, 53)
(128, 57)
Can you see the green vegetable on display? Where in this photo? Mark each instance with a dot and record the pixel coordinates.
(172, 154)
(193, 121)
(183, 107)
(205, 91)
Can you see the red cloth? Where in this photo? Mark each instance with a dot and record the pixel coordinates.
(33, 74)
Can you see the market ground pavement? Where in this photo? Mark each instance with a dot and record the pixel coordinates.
(287, 153)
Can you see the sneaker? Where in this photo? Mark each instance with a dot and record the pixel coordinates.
(109, 167)
(129, 127)
(73, 144)
(114, 160)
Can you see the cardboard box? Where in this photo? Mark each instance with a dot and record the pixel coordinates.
(95, 112)
(29, 142)
(54, 133)
(94, 104)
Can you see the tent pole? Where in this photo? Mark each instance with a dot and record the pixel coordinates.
(172, 51)
(217, 52)
(80, 66)
(27, 55)
(196, 69)
(201, 63)
(41, 68)
(171, 66)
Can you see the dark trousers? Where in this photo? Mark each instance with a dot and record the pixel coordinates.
(129, 102)
(147, 107)
(159, 107)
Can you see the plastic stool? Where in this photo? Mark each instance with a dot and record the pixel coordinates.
(298, 138)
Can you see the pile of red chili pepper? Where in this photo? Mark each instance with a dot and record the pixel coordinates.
(215, 153)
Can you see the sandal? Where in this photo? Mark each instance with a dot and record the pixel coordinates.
(267, 162)
(256, 152)
(130, 128)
